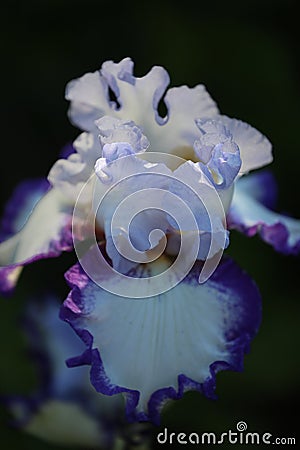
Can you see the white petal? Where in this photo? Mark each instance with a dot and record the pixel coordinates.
(138, 101)
(178, 132)
(42, 234)
(146, 344)
(255, 148)
(136, 95)
(88, 96)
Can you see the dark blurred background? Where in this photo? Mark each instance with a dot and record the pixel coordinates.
(246, 53)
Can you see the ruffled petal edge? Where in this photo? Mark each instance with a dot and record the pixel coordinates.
(238, 342)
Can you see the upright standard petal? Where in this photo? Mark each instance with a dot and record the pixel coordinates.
(45, 234)
(137, 100)
(155, 349)
(250, 214)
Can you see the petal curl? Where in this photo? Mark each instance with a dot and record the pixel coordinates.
(154, 349)
(114, 130)
(218, 153)
(249, 214)
(255, 148)
(70, 175)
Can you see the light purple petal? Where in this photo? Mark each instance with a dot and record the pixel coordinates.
(65, 409)
(262, 186)
(52, 343)
(199, 194)
(114, 131)
(219, 155)
(125, 183)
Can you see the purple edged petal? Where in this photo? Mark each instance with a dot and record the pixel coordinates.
(155, 349)
(249, 214)
(46, 233)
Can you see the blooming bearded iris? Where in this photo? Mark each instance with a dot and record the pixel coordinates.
(144, 200)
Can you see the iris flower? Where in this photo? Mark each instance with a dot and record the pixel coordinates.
(147, 202)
